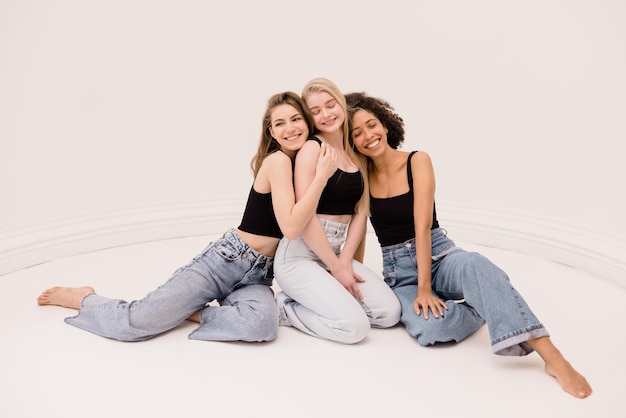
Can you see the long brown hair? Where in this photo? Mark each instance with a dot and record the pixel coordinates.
(267, 144)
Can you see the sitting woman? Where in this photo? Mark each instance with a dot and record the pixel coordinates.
(425, 269)
(327, 293)
(236, 269)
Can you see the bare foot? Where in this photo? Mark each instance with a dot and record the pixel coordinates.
(570, 380)
(68, 297)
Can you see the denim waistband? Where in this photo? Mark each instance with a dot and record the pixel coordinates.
(262, 261)
(411, 242)
(332, 227)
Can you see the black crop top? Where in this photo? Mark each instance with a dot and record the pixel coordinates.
(392, 217)
(341, 193)
(258, 217)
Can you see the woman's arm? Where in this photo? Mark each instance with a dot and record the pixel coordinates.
(353, 249)
(354, 239)
(359, 254)
(292, 216)
(313, 233)
(424, 199)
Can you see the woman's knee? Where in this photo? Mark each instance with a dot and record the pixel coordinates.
(426, 331)
(471, 266)
(458, 322)
(389, 316)
(354, 330)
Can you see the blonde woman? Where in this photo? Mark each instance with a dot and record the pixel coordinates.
(325, 292)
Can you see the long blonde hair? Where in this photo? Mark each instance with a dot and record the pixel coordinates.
(318, 85)
(267, 144)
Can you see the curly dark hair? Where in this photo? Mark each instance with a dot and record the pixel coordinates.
(383, 111)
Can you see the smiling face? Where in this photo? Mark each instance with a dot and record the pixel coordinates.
(368, 134)
(288, 127)
(327, 113)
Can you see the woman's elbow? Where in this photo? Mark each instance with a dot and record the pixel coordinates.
(291, 233)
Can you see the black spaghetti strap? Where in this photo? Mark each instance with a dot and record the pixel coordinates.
(314, 138)
(409, 172)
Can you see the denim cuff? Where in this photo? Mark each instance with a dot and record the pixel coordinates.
(517, 345)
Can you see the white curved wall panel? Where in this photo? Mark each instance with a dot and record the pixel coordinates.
(599, 254)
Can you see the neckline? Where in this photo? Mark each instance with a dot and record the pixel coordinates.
(390, 197)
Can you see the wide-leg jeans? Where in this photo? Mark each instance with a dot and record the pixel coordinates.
(475, 291)
(227, 270)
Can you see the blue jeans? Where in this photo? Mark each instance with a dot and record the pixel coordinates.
(475, 291)
(228, 270)
(318, 304)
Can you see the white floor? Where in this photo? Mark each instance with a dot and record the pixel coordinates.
(55, 370)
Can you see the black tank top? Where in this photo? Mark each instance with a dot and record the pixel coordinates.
(258, 217)
(341, 193)
(392, 217)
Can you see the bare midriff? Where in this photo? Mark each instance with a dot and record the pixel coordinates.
(260, 243)
(344, 219)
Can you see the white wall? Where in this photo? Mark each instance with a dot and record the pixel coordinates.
(109, 109)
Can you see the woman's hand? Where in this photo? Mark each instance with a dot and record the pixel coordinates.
(428, 301)
(348, 279)
(327, 162)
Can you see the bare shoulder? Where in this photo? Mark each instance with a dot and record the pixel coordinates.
(277, 163)
(275, 166)
(421, 158)
(308, 153)
(277, 159)
(310, 147)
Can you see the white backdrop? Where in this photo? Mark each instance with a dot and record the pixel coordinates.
(124, 105)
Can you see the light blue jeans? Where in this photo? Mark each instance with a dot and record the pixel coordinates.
(318, 304)
(475, 291)
(228, 270)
